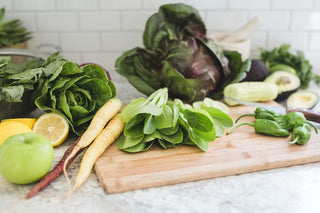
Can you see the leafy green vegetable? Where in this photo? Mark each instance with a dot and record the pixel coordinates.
(282, 55)
(15, 79)
(220, 119)
(77, 92)
(178, 56)
(58, 85)
(176, 124)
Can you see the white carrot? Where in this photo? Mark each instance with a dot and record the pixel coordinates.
(100, 119)
(109, 134)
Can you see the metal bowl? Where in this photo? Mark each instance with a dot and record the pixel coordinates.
(18, 109)
(26, 106)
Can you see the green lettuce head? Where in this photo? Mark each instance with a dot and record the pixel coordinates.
(77, 92)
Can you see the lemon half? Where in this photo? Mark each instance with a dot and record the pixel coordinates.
(52, 126)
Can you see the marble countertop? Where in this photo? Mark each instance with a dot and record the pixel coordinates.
(291, 189)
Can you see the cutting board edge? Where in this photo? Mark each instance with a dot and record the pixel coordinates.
(237, 171)
(311, 155)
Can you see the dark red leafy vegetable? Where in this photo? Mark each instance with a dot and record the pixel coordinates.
(179, 55)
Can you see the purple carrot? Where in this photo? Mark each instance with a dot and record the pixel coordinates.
(54, 173)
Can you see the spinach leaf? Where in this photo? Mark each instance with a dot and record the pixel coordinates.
(170, 130)
(175, 138)
(16, 79)
(150, 125)
(140, 147)
(221, 120)
(126, 142)
(134, 128)
(131, 109)
(166, 119)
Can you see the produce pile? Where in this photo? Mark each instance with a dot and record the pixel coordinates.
(290, 73)
(180, 70)
(58, 85)
(282, 58)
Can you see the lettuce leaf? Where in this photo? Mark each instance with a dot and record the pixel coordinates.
(16, 79)
(76, 92)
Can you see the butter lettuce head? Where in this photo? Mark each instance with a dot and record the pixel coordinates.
(77, 92)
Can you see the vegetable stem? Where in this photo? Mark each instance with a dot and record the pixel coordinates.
(244, 115)
(295, 140)
(235, 127)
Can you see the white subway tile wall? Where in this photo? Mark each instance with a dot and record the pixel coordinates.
(101, 30)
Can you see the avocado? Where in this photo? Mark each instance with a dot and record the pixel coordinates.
(257, 72)
(286, 82)
(282, 67)
(303, 100)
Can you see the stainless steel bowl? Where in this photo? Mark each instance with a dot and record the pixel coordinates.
(26, 106)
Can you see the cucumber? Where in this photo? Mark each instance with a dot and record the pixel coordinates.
(250, 91)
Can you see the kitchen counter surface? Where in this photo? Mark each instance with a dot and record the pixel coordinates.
(291, 189)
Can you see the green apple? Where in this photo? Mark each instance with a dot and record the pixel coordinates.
(25, 158)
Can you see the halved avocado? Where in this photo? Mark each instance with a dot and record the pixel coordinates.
(282, 67)
(303, 100)
(286, 82)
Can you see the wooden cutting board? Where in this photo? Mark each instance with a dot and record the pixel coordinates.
(241, 152)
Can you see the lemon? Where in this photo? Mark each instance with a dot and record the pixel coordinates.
(52, 126)
(10, 128)
(26, 121)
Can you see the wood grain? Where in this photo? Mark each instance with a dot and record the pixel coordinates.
(241, 152)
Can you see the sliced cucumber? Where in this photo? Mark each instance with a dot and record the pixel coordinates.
(303, 100)
(250, 91)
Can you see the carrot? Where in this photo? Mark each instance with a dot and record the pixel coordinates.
(100, 119)
(54, 173)
(110, 134)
